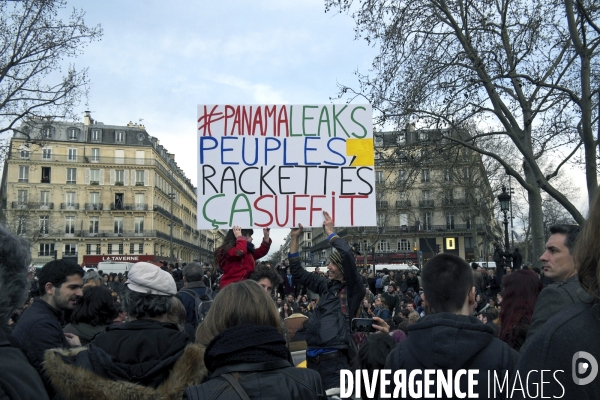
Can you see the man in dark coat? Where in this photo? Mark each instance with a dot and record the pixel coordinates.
(449, 337)
(391, 299)
(413, 281)
(559, 266)
(517, 259)
(289, 284)
(39, 328)
(193, 279)
(18, 380)
(341, 293)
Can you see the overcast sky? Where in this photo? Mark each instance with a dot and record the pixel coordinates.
(157, 60)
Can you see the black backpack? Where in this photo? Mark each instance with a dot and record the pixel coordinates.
(201, 303)
(177, 275)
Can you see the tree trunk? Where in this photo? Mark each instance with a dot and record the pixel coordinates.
(536, 220)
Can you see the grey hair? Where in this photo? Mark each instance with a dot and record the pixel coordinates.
(92, 275)
(141, 305)
(14, 260)
(193, 272)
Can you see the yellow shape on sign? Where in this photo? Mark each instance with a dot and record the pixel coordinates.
(362, 150)
(450, 243)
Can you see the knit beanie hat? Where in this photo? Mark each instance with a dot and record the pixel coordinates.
(336, 259)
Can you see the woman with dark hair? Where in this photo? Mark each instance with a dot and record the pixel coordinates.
(520, 292)
(92, 314)
(381, 309)
(403, 283)
(237, 256)
(286, 310)
(105, 278)
(243, 346)
(371, 357)
(480, 303)
(115, 284)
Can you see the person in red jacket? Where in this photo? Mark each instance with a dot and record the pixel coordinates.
(237, 255)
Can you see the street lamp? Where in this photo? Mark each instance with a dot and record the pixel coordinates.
(504, 199)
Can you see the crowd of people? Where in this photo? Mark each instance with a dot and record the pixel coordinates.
(228, 331)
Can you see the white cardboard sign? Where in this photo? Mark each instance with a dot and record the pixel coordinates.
(280, 165)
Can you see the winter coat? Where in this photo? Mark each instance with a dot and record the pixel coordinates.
(329, 327)
(448, 341)
(142, 359)
(85, 332)
(287, 288)
(382, 313)
(239, 262)
(517, 259)
(391, 301)
(19, 380)
(551, 300)
(272, 380)
(39, 329)
(573, 330)
(189, 302)
(413, 283)
(258, 358)
(494, 288)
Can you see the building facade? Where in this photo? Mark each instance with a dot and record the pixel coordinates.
(432, 197)
(91, 192)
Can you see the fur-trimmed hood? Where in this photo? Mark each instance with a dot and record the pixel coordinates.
(76, 382)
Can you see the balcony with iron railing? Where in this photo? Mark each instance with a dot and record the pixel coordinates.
(381, 205)
(178, 241)
(422, 228)
(46, 253)
(447, 202)
(87, 159)
(94, 206)
(167, 214)
(129, 207)
(426, 203)
(112, 233)
(32, 205)
(403, 203)
(69, 206)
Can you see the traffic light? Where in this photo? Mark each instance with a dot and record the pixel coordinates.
(439, 248)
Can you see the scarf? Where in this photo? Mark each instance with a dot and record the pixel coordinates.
(245, 344)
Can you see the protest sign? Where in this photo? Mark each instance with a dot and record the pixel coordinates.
(279, 165)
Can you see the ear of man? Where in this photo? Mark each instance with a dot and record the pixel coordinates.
(49, 288)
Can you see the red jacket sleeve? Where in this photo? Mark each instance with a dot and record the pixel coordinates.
(263, 249)
(236, 253)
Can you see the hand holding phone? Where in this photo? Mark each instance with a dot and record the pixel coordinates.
(364, 325)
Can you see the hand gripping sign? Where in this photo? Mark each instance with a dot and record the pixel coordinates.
(279, 165)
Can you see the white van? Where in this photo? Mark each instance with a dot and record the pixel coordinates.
(108, 267)
(487, 264)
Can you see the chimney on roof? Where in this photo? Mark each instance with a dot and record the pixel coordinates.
(171, 156)
(87, 118)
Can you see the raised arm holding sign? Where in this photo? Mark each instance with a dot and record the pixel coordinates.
(328, 330)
